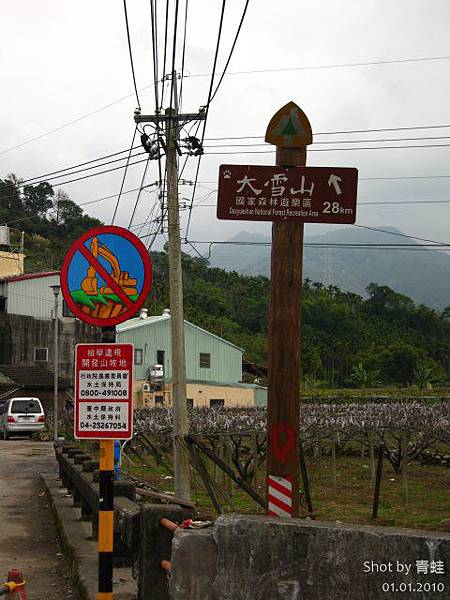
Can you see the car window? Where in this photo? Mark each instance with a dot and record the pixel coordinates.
(25, 406)
(2, 405)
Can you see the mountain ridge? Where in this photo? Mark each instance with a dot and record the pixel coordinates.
(422, 273)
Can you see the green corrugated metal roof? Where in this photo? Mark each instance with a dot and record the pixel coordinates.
(137, 323)
(238, 384)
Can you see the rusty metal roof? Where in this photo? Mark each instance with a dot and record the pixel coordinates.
(32, 377)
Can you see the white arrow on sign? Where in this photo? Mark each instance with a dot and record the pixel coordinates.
(334, 181)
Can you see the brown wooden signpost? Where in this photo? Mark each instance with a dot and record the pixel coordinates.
(289, 194)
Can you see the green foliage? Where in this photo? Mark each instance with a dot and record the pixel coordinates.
(341, 331)
(426, 373)
(364, 378)
(51, 221)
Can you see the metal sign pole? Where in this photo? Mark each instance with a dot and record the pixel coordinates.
(104, 372)
(106, 505)
(106, 520)
(56, 367)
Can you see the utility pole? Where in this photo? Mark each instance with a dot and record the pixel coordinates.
(172, 122)
(180, 416)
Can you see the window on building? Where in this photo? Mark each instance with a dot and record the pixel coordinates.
(138, 356)
(205, 360)
(41, 354)
(66, 312)
(159, 400)
(160, 357)
(216, 402)
(190, 402)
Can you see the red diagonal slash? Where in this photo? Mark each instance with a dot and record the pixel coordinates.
(105, 275)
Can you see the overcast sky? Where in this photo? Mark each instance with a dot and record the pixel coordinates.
(63, 59)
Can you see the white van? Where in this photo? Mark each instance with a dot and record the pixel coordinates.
(21, 416)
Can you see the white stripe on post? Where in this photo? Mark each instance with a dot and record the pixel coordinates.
(276, 511)
(283, 497)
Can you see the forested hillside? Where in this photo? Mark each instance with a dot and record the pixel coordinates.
(421, 272)
(50, 220)
(386, 332)
(384, 338)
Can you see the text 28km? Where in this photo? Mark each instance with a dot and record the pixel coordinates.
(336, 209)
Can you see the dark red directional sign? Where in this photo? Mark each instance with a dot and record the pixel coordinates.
(300, 194)
(106, 276)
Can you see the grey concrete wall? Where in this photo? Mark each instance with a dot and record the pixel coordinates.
(262, 558)
(20, 335)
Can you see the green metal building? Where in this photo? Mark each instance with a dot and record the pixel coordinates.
(213, 365)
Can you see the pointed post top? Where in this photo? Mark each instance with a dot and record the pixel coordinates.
(289, 128)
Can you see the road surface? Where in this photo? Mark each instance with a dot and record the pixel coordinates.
(27, 534)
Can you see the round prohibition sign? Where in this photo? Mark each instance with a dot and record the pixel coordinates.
(106, 295)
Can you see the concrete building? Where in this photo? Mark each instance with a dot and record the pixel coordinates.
(32, 382)
(29, 295)
(26, 326)
(213, 365)
(11, 255)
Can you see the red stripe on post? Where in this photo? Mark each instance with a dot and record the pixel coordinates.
(276, 485)
(280, 504)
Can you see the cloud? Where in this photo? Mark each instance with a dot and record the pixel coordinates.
(61, 60)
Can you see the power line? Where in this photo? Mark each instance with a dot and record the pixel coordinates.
(387, 178)
(174, 49)
(332, 66)
(183, 54)
(232, 50)
(377, 229)
(166, 27)
(147, 218)
(68, 123)
(124, 176)
(338, 149)
(216, 54)
(76, 171)
(155, 53)
(136, 162)
(88, 162)
(184, 182)
(376, 202)
(154, 20)
(400, 177)
(131, 53)
(114, 102)
(139, 192)
(398, 233)
(345, 246)
(369, 141)
(329, 244)
(347, 131)
(81, 204)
